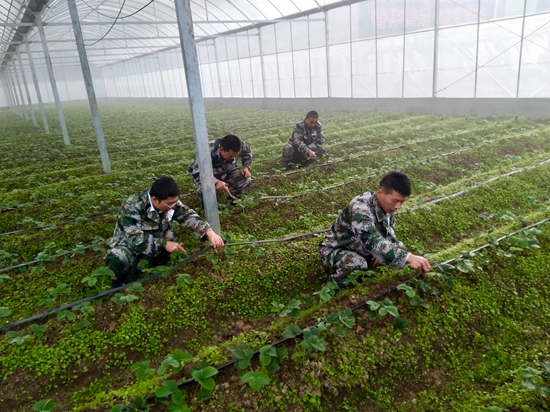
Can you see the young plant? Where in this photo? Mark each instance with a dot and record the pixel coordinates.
(174, 361)
(142, 370)
(45, 405)
(203, 373)
(270, 356)
(170, 394)
(539, 380)
(256, 379)
(244, 355)
(327, 292)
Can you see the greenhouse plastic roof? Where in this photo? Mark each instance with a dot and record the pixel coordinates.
(115, 30)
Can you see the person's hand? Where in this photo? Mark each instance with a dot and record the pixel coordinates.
(245, 172)
(418, 263)
(221, 185)
(215, 240)
(172, 247)
(376, 262)
(311, 153)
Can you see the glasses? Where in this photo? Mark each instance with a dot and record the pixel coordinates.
(170, 205)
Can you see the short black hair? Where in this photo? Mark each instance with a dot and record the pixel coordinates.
(312, 114)
(164, 187)
(396, 181)
(231, 142)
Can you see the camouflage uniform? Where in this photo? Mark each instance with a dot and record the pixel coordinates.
(142, 231)
(302, 140)
(225, 170)
(362, 232)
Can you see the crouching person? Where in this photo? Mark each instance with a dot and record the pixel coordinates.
(144, 230)
(306, 141)
(363, 234)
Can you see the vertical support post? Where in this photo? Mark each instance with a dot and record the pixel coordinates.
(436, 49)
(196, 100)
(36, 86)
(521, 46)
(24, 104)
(24, 78)
(376, 47)
(218, 68)
(14, 91)
(9, 95)
(89, 86)
(477, 47)
(404, 47)
(327, 51)
(53, 83)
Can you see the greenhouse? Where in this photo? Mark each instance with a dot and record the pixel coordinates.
(261, 135)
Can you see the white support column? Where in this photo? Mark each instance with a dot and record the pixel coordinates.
(7, 89)
(327, 51)
(24, 104)
(376, 47)
(404, 47)
(24, 78)
(14, 92)
(477, 47)
(521, 46)
(89, 86)
(53, 83)
(436, 49)
(196, 100)
(36, 86)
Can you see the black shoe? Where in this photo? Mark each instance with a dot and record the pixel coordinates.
(289, 165)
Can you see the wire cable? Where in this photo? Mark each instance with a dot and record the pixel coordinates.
(96, 9)
(110, 28)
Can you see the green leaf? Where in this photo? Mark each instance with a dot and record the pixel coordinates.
(529, 373)
(400, 324)
(528, 384)
(339, 330)
(492, 409)
(392, 310)
(117, 408)
(544, 391)
(80, 325)
(204, 377)
(181, 356)
(163, 392)
(45, 405)
(204, 394)
(38, 330)
(183, 279)
(17, 337)
(373, 306)
(103, 271)
(136, 287)
(292, 331)
(3, 278)
(166, 363)
(4, 312)
(317, 342)
(90, 280)
(255, 380)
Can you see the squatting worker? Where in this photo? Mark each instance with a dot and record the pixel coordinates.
(363, 234)
(306, 141)
(228, 177)
(144, 230)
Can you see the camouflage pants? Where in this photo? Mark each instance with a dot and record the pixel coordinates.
(238, 184)
(125, 264)
(342, 262)
(290, 154)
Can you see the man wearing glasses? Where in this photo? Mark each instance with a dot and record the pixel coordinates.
(144, 230)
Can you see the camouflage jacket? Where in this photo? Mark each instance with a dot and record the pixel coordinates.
(219, 164)
(302, 137)
(142, 229)
(366, 229)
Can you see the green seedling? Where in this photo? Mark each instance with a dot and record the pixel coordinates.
(327, 292)
(17, 337)
(45, 405)
(142, 370)
(255, 380)
(312, 340)
(121, 298)
(4, 312)
(270, 356)
(292, 310)
(534, 379)
(291, 331)
(170, 390)
(174, 361)
(38, 330)
(183, 279)
(244, 355)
